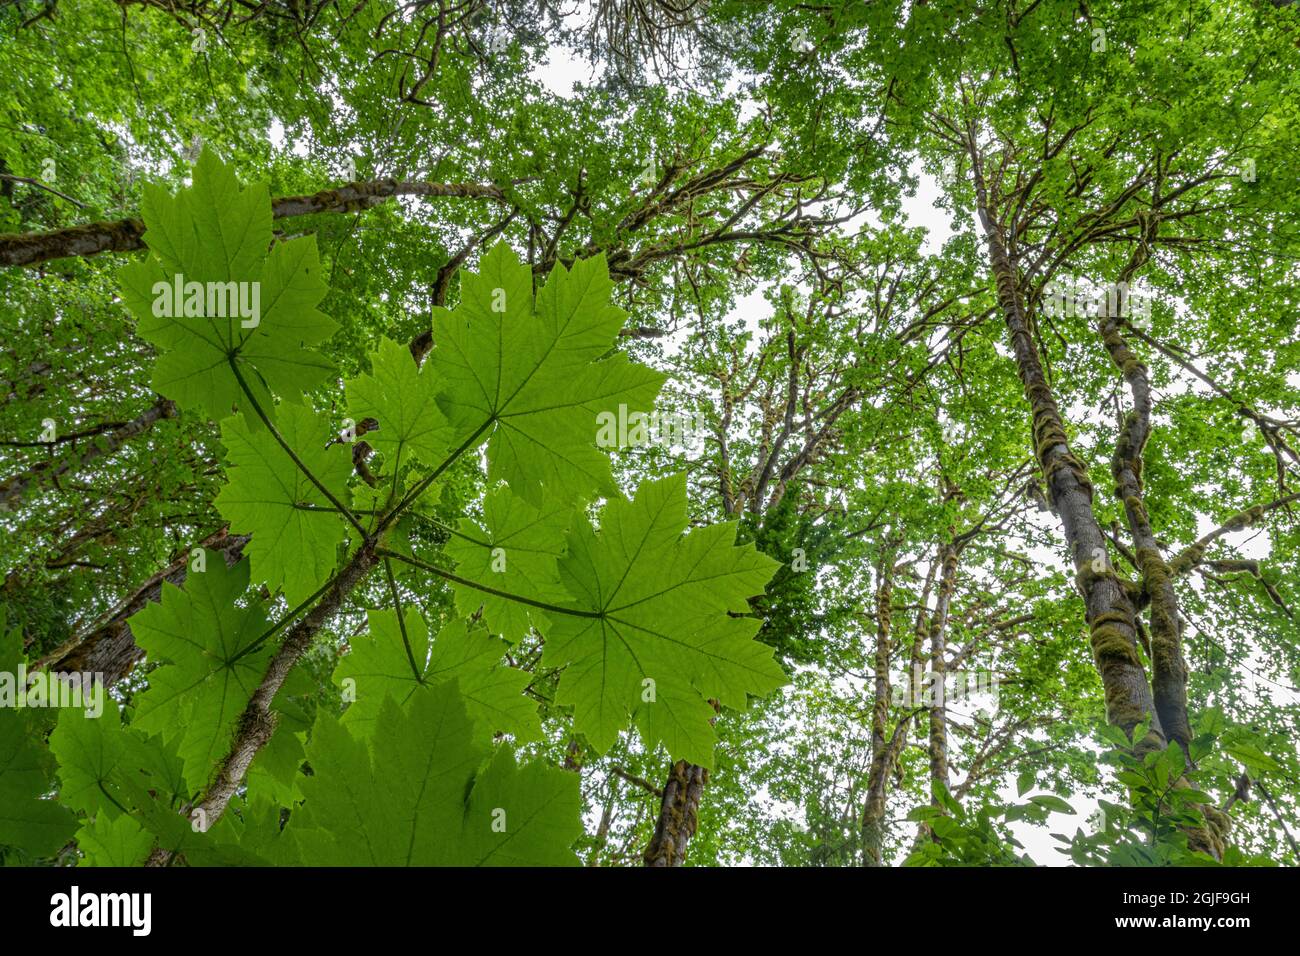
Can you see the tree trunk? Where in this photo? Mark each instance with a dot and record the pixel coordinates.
(258, 721)
(939, 672)
(1110, 614)
(1169, 671)
(1109, 603)
(873, 810)
(124, 235)
(677, 815)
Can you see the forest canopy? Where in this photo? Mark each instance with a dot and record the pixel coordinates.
(649, 432)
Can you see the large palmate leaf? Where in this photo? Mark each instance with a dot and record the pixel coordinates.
(215, 662)
(295, 546)
(97, 754)
(532, 377)
(513, 549)
(663, 630)
(113, 841)
(89, 749)
(36, 825)
(215, 232)
(404, 400)
(400, 798)
(379, 666)
(132, 789)
(520, 815)
(27, 820)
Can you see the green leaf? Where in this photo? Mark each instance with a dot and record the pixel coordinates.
(413, 795)
(1201, 747)
(1140, 731)
(514, 549)
(1025, 781)
(1132, 779)
(11, 647)
(1052, 802)
(296, 532)
(404, 400)
(1115, 736)
(532, 377)
(179, 834)
(207, 637)
(493, 693)
(1255, 759)
(520, 816)
(35, 825)
(378, 667)
(662, 632)
(1210, 721)
(113, 841)
(88, 750)
(261, 833)
(1172, 761)
(276, 771)
(948, 802)
(946, 828)
(216, 232)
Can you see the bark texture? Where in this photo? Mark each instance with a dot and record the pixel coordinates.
(885, 747)
(1109, 600)
(1169, 670)
(948, 555)
(677, 815)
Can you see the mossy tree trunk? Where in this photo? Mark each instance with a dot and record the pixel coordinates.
(1110, 613)
(938, 709)
(883, 749)
(1109, 601)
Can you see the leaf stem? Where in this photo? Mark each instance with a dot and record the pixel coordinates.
(457, 579)
(111, 799)
(441, 525)
(299, 506)
(401, 620)
(275, 629)
(429, 479)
